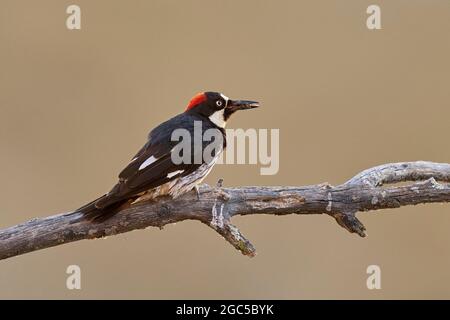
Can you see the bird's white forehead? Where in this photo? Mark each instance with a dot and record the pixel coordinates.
(224, 97)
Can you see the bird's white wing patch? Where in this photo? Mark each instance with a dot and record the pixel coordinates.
(147, 162)
(172, 174)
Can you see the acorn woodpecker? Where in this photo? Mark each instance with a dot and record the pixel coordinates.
(156, 170)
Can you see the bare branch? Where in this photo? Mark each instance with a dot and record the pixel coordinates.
(401, 172)
(216, 206)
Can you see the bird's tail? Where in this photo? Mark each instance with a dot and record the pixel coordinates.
(93, 213)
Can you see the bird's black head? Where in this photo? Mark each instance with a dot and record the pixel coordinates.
(218, 107)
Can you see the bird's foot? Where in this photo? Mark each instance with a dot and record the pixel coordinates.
(149, 196)
(220, 192)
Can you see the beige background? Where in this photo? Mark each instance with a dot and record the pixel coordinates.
(76, 105)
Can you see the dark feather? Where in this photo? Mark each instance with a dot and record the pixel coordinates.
(133, 181)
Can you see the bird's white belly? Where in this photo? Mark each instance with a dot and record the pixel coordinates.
(181, 185)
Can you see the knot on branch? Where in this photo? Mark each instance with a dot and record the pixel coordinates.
(232, 234)
(220, 222)
(350, 222)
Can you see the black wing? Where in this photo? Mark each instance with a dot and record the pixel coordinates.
(151, 167)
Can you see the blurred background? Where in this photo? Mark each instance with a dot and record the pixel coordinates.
(76, 105)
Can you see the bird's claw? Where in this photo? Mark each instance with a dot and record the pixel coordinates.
(218, 189)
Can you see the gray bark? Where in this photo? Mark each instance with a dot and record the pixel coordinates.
(428, 183)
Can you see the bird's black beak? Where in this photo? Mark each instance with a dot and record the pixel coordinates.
(235, 105)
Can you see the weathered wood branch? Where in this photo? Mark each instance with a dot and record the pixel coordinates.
(429, 183)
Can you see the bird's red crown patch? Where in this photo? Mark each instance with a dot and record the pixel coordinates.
(197, 99)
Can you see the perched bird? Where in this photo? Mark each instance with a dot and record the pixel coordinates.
(153, 172)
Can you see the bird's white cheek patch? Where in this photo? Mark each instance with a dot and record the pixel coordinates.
(218, 118)
(172, 174)
(147, 162)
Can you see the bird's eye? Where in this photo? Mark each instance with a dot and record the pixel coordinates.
(219, 103)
